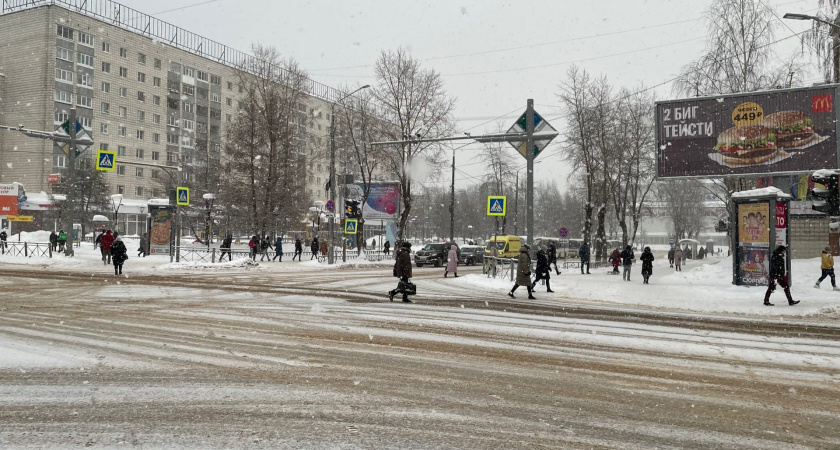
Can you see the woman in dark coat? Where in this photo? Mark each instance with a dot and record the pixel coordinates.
(647, 264)
(118, 255)
(543, 270)
(523, 272)
(778, 274)
(278, 249)
(402, 270)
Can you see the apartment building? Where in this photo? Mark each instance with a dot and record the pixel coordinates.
(156, 94)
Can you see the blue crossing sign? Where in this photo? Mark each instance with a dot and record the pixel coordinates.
(106, 160)
(496, 205)
(350, 226)
(182, 196)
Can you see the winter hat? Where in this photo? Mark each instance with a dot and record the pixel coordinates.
(827, 250)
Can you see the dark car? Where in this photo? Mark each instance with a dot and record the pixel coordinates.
(434, 254)
(472, 254)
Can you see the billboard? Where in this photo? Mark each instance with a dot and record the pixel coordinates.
(383, 200)
(162, 217)
(8, 199)
(759, 133)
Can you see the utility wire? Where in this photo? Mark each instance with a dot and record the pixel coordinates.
(183, 7)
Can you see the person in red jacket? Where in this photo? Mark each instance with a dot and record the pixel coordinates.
(105, 246)
(615, 260)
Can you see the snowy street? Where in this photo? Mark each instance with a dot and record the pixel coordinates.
(276, 356)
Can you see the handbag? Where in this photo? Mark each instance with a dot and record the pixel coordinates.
(407, 288)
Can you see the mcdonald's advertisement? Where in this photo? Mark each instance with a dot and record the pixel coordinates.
(760, 133)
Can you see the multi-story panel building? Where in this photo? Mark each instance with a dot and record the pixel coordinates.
(156, 94)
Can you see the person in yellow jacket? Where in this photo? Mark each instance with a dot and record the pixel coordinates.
(827, 269)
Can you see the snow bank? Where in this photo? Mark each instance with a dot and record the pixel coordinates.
(242, 263)
(31, 236)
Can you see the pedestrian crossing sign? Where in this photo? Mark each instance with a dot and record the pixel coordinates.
(350, 226)
(496, 205)
(182, 196)
(106, 160)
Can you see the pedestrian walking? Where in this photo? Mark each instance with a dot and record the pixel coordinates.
(583, 253)
(827, 267)
(678, 259)
(54, 241)
(325, 249)
(313, 247)
(452, 261)
(615, 260)
(647, 264)
(3, 237)
(265, 244)
(278, 249)
(118, 254)
(386, 248)
(144, 245)
(671, 257)
(778, 274)
(627, 258)
(62, 240)
(373, 243)
(523, 273)
(298, 249)
(254, 246)
(105, 243)
(543, 270)
(552, 257)
(225, 247)
(402, 270)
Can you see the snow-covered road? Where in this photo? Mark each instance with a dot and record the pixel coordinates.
(293, 360)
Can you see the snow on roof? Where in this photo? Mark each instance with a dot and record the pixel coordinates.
(100, 218)
(763, 192)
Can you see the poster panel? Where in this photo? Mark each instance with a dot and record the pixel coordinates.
(753, 266)
(753, 226)
(382, 202)
(161, 231)
(8, 199)
(759, 133)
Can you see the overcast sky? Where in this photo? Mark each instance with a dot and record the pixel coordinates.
(493, 55)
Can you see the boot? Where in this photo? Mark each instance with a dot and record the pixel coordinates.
(817, 285)
(456, 274)
(793, 302)
(548, 286)
(767, 303)
(391, 295)
(510, 294)
(836, 288)
(445, 273)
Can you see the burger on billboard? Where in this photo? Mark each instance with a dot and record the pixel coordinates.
(760, 133)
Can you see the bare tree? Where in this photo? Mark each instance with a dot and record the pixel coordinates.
(824, 39)
(414, 100)
(499, 171)
(739, 56)
(685, 207)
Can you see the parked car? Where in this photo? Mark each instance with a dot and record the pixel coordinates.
(472, 255)
(434, 254)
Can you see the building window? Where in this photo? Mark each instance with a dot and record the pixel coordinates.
(63, 97)
(140, 134)
(84, 101)
(120, 169)
(216, 97)
(86, 39)
(202, 75)
(227, 117)
(188, 124)
(188, 107)
(214, 130)
(59, 161)
(123, 92)
(156, 118)
(123, 72)
(62, 75)
(139, 191)
(240, 89)
(64, 54)
(103, 128)
(123, 52)
(155, 156)
(106, 108)
(157, 63)
(61, 116)
(120, 189)
(189, 90)
(141, 96)
(123, 131)
(85, 122)
(202, 93)
(120, 150)
(171, 139)
(141, 116)
(215, 79)
(123, 111)
(171, 157)
(156, 138)
(106, 87)
(64, 32)
(228, 101)
(156, 100)
(172, 103)
(230, 85)
(106, 67)
(156, 81)
(172, 121)
(141, 58)
(139, 153)
(215, 114)
(189, 71)
(86, 80)
(201, 128)
(186, 141)
(106, 47)
(141, 77)
(84, 59)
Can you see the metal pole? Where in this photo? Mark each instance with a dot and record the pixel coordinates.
(71, 175)
(343, 216)
(207, 232)
(452, 202)
(516, 207)
(178, 219)
(331, 253)
(529, 154)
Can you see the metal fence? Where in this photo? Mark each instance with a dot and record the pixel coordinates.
(27, 249)
(213, 255)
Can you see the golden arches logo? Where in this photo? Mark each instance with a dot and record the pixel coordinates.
(821, 103)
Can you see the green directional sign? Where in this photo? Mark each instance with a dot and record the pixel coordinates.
(541, 126)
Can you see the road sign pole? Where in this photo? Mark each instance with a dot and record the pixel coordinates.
(71, 176)
(529, 155)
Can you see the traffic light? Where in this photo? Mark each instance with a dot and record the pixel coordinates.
(831, 193)
(351, 209)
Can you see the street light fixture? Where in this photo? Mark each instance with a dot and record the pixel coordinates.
(331, 252)
(208, 202)
(116, 202)
(835, 36)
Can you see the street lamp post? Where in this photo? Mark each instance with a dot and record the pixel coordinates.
(208, 202)
(331, 252)
(116, 202)
(835, 37)
(469, 227)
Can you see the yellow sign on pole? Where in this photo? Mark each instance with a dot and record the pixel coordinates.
(496, 205)
(106, 160)
(350, 226)
(20, 218)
